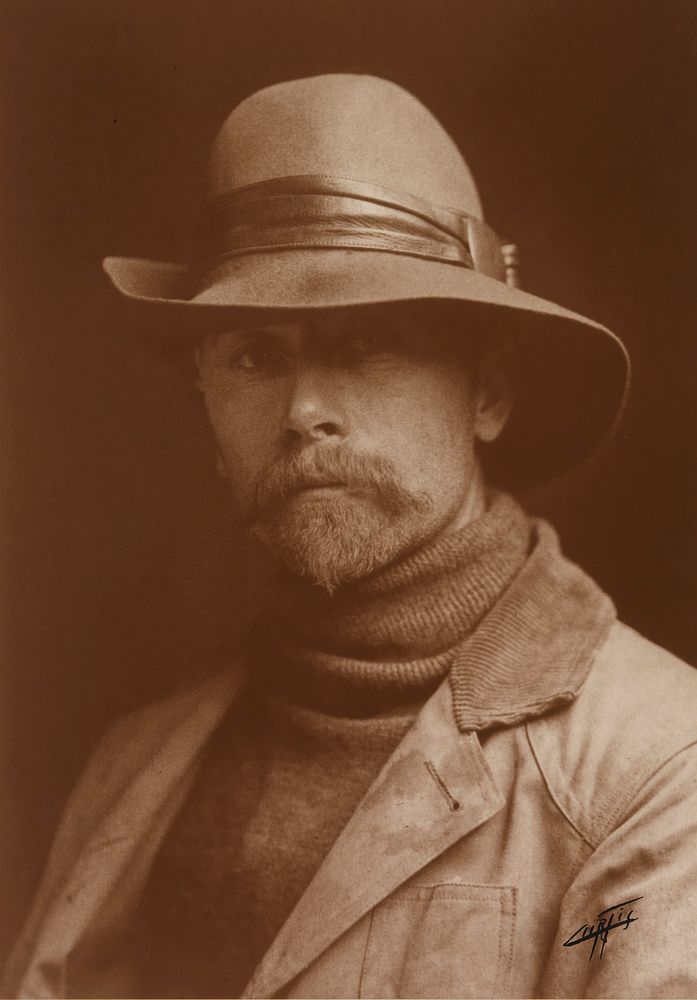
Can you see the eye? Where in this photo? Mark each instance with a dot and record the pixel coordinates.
(368, 342)
(259, 358)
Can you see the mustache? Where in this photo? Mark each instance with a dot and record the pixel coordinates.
(336, 466)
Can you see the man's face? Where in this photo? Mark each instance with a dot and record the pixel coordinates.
(348, 439)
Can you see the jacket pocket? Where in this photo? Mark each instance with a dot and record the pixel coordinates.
(447, 940)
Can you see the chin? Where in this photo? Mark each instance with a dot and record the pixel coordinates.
(334, 541)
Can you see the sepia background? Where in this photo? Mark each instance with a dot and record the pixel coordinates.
(120, 568)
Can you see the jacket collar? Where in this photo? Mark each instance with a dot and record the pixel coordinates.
(534, 650)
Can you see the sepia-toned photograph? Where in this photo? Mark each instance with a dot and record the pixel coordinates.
(349, 423)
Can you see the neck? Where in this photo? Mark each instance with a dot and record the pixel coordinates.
(474, 505)
(398, 629)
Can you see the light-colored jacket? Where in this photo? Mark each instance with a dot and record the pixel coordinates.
(470, 866)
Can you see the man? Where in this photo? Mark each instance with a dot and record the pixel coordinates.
(437, 766)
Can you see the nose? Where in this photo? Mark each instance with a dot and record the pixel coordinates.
(314, 411)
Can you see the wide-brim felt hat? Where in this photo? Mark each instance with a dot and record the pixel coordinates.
(344, 191)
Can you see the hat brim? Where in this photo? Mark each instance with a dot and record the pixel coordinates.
(573, 372)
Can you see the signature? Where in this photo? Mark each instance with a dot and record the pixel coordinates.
(609, 919)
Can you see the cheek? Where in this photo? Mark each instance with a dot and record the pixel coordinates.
(246, 430)
(427, 426)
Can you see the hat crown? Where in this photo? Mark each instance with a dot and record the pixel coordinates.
(343, 125)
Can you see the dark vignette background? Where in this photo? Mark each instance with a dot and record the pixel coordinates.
(578, 119)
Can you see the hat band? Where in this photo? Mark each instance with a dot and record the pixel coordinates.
(318, 211)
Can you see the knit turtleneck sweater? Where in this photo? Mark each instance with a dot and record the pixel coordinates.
(335, 682)
(390, 636)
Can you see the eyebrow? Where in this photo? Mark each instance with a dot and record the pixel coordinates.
(241, 333)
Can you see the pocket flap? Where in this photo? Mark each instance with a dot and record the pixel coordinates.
(446, 940)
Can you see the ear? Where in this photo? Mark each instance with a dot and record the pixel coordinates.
(494, 395)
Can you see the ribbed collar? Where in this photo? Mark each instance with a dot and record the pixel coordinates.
(391, 637)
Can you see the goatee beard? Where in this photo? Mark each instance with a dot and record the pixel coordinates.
(342, 536)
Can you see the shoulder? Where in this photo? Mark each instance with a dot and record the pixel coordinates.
(154, 720)
(635, 715)
(173, 724)
(134, 738)
(162, 737)
(652, 692)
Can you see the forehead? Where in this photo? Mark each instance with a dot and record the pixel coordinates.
(336, 321)
(415, 328)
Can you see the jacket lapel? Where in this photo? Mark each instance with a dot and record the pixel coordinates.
(434, 790)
